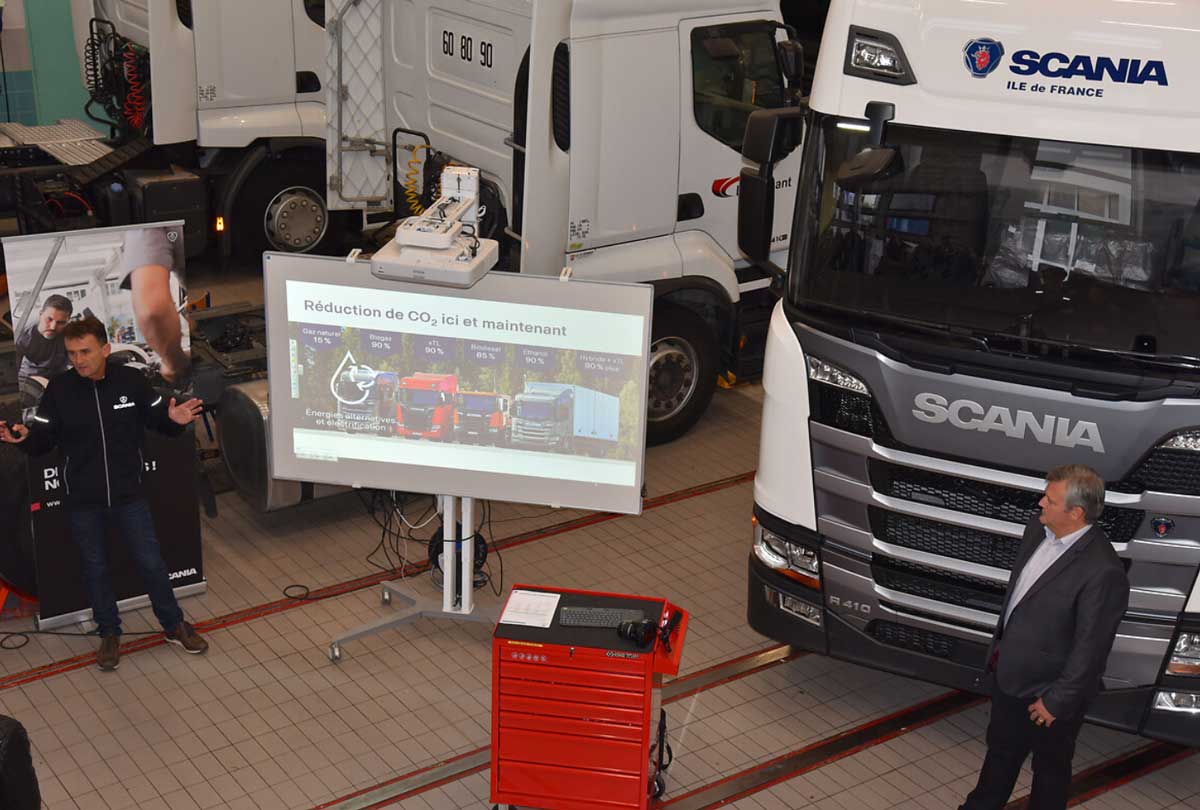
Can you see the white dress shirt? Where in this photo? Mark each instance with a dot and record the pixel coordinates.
(1045, 555)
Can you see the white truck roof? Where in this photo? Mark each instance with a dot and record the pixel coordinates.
(1113, 73)
(599, 17)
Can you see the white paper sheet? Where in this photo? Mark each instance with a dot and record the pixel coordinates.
(530, 608)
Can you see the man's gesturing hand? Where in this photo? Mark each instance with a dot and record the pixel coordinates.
(1039, 715)
(14, 435)
(186, 413)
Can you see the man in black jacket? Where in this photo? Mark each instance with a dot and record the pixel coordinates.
(1066, 596)
(96, 416)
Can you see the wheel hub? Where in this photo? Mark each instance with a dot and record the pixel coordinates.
(296, 219)
(673, 365)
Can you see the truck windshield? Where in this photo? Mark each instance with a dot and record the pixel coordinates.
(534, 410)
(422, 399)
(477, 403)
(1093, 246)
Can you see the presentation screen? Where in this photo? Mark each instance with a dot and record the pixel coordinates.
(521, 388)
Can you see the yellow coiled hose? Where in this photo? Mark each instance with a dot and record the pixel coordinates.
(412, 179)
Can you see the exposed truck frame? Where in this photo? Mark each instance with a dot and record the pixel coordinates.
(995, 269)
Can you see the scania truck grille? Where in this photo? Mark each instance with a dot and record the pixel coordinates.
(912, 638)
(983, 499)
(945, 540)
(939, 585)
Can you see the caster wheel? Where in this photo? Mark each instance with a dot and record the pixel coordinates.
(335, 653)
(660, 787)
(386, 596)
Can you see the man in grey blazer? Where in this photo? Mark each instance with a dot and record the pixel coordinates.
(1065, 599)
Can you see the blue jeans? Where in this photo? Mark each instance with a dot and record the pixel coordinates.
(133, 520)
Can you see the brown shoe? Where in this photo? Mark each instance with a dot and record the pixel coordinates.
(186, 636)
(109, 656)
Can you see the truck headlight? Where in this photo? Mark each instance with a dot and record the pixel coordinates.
(830, 374)
(793, 560)
(1188, 440)
(1185, 702)
(1185, 658)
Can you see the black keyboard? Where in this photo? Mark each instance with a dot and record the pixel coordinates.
(597, 617)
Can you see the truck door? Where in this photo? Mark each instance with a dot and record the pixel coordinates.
(308, 29)
(729, 69)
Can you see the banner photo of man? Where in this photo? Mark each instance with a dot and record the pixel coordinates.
(131, 280)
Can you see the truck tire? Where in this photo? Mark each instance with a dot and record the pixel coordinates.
(282, 208)
(683, 372)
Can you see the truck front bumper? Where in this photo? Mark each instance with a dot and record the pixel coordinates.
(782, 609)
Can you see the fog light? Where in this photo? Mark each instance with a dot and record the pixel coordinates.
(1185, 659)
(1184, 702)
(796, 607)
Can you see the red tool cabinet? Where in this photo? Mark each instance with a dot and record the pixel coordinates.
(575, 709)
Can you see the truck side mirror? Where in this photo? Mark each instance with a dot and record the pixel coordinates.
(770, 136)
(791, 60)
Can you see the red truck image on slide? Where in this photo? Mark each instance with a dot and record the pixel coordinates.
(481, 416)
(425, 408)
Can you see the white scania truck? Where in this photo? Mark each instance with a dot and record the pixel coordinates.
(994, 269)
(608, 135)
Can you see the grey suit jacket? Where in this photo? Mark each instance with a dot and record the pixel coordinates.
(1057, 640)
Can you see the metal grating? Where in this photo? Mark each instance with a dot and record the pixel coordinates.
(938, 585)
(984, 499)
(945, 540)
(913, 639)
(1165, 470)
(71, 142)
(363, 105)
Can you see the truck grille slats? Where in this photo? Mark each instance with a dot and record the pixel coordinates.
(957, 542)
(983, 499)
(911, 638)
(940, 586)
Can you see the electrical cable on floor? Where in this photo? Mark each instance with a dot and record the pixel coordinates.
(25, 636)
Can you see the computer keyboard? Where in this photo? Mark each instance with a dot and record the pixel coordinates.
(597, 617)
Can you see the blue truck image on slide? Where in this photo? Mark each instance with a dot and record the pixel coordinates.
(565, 417)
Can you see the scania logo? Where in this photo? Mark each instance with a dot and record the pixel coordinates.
(982, 56)
(187, 572)
(966, 414)
(124, 399)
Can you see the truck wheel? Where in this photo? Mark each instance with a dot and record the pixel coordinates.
(282, 208)
(683, 372)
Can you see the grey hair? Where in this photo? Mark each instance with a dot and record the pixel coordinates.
(1085, 489)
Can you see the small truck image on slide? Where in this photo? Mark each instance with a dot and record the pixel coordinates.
(425, 408)
(567, 417)
(481, 416)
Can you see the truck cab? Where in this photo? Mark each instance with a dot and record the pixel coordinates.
(543, 415)
(481, 416)
(993, 272)
(425, 408)
(608, 139)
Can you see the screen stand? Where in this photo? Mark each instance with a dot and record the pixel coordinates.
(458, 595)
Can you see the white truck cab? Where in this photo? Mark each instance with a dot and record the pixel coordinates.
(608, 136)
(994, 270)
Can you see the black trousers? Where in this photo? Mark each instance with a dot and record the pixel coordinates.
(1011, 736)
